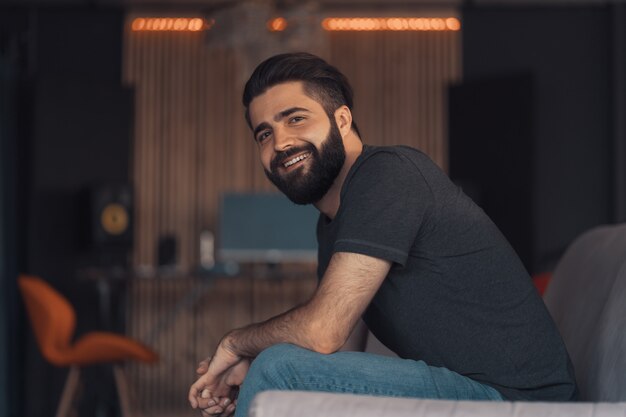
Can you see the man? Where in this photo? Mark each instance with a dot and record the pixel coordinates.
(399, 246)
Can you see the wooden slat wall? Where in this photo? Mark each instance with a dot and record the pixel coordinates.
(191, 142)
(400, 81)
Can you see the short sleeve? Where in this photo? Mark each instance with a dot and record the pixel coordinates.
(383, 205)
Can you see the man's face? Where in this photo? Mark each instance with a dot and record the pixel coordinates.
(301, 148)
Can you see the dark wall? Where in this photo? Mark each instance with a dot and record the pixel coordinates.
(13, 135)
(618, 88)
(8, 103)
(76, 135)
(567, 51)
(491, 152)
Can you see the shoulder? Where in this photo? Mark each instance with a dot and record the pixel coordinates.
(386, 159)
(387, 170)
(398, 163)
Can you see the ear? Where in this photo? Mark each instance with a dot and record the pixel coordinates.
(343, 118)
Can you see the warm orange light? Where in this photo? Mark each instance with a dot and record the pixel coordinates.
(277, 25)
(453, 23)
(391, 24)
(171, 24)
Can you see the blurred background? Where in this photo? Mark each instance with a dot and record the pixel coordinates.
(129, 181)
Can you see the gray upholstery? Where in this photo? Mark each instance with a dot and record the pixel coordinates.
(314, 404)
(587, 299)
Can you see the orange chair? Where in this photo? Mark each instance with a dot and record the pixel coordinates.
(53, 320)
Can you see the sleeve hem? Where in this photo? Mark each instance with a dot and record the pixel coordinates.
(371, 249)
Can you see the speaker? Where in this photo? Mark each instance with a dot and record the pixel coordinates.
(111, 208)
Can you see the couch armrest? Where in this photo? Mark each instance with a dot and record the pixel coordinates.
(314, 404)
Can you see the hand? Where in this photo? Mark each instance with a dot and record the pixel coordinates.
(216, 390)
(225, 406)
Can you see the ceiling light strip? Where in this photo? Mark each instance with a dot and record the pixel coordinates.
(170, 24)
(279, 24)
(391, 24)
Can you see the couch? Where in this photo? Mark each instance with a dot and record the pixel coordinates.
(587, 299)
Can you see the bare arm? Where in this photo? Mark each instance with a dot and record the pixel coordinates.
(324, 323)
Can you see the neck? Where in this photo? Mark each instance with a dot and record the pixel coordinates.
(329, 204)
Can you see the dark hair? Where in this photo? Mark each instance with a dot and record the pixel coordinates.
(322, 82)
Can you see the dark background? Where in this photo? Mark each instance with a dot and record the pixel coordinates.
(66, 129)
(537, 125)
(537, 136)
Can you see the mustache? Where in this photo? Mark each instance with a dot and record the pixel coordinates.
(281, 156)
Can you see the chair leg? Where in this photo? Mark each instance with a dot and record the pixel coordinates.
(122, 390)
(69, 392)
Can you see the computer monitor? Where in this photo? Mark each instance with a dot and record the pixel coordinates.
(264, 227)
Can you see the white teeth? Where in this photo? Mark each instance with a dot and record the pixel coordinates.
(296, 159)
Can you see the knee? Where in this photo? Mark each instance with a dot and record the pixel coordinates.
(278, 363)
(280, 351)
(276, 357)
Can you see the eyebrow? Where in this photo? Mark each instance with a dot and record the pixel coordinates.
(288, 112)
(279, 116)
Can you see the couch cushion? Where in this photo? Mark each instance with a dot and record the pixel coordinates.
(316, 404)
(587, 299)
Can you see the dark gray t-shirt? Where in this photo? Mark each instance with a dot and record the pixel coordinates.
(457, 295)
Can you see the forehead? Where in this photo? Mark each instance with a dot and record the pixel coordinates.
(280, 97)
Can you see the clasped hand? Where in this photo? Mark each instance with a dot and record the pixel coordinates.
(215, 391)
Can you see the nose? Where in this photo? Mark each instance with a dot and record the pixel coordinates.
(282, 140)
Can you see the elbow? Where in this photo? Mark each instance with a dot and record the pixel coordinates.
(325, 341)
(326, 348)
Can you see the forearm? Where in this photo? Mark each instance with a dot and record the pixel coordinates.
(324, 323)
(296, 326)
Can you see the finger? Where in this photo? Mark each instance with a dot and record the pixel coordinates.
(204, 404)
(193, 393)
(227, 412)
(230, 410)
(209, 401)
(206, 413)
(215, 410)
(203, 366)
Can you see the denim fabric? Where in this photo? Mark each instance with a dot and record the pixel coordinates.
(288, 367)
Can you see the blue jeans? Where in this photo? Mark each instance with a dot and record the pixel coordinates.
(288, 367)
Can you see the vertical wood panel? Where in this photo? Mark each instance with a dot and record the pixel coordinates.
(400, 82)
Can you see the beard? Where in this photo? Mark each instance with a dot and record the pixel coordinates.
(324, 167)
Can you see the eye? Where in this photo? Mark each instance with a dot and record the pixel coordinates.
(296, 119)
(262, 137)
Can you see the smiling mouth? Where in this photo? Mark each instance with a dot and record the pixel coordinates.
(296, 159)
